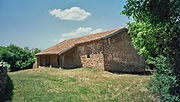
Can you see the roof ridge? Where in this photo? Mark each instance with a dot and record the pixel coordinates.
(93, 34)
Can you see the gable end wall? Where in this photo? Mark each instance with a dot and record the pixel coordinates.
(120, 55)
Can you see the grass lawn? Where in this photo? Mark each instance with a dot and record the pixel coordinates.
(78, 85)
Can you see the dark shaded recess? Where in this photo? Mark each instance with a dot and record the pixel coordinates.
(135, 73)
(72, 67)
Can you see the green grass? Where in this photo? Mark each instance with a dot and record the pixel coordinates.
(78, 85)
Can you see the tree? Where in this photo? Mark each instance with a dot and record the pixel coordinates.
(27, 49)
(16, 57)
(155, 34)
(35, 50)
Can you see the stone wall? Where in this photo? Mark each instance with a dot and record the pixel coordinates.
(120, 55)
(3, 79)
(91, 54)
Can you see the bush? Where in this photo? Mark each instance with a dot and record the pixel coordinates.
(155, 34)
(16, 57)
(5, 65)
(165, 83)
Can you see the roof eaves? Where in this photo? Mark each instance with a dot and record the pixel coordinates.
(116, 32)
(38, 54)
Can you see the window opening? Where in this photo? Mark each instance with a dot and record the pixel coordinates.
(88, 55)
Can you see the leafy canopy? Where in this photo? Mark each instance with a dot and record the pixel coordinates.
(16, 57)
(155, 34)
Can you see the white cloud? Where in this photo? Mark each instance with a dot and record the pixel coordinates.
(83, 31)
(61, 39)
(54, 40)
(74, 13)
(58, 40)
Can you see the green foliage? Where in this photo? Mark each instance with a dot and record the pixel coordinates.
(156, 35)
(165, 83)
(35, 50)
(142, 35)
(4, 64)
(153, 11)
(153, 40)
(16, 57)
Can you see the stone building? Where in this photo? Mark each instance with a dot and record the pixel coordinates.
(110, 51)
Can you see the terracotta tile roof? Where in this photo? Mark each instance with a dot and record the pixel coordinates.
(68, 44)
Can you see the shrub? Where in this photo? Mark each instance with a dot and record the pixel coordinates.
(17, 57)
(5, 65)
(155, 34)
(165, 83)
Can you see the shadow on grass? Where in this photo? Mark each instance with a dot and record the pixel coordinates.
(8, 94)
(135, 73)
(71, 67)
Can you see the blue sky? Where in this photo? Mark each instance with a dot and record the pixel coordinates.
(43, 23)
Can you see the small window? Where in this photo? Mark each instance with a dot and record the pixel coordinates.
(109, 41)
(88, 55)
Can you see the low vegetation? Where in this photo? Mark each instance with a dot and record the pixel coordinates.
(17, 58)
(78, 85)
